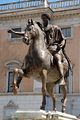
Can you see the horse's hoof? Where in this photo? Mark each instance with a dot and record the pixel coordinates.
(42, 108)
(63, 109)
(54, 110)
(15, 89)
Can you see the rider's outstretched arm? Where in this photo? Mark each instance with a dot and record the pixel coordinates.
(17, 33)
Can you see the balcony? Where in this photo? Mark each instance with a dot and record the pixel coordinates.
(34, 4)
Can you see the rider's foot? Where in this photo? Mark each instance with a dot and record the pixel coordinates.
(62, 82)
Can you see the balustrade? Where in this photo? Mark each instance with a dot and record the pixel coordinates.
(39, 3)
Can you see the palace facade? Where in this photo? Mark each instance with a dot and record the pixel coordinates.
(65, 14)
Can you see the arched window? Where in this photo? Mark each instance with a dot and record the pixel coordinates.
(9, 77)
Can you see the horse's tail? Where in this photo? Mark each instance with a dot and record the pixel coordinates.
(68, 60)
(69, 65)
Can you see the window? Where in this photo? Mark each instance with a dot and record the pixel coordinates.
(11, 65)
(14, 35)
(10, 81)
(66, 31)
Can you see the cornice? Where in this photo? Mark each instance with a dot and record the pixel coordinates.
(20, 14)
(36, 13)
(69, 13)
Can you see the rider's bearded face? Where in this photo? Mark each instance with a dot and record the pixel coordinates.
(45, 21)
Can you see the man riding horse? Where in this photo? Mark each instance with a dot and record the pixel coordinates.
(54, 38)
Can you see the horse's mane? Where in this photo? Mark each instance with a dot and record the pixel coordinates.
(40, 25)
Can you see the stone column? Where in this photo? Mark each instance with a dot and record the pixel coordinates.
(45, 3)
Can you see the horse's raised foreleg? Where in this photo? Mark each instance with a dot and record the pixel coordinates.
(49, 87)
(43, 75)
(64, 99)
(18, 74)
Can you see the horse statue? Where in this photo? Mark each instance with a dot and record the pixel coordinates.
(40, 65)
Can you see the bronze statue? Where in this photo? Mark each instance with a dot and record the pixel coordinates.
(39, 63)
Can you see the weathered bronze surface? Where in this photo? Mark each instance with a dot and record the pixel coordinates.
(44, 61)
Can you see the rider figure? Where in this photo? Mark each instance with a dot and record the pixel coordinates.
(54, 38)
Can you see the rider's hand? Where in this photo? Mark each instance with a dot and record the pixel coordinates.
(52, 49)
(58, 47)
(9, 31)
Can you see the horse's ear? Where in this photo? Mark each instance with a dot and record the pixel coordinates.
(28, 21)
(31, 22)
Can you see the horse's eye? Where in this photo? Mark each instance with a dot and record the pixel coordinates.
(28, 28)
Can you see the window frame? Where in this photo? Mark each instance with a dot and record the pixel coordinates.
(10, 67)
(66, 27)
(9, 88)
(13, 35)
(15, 38)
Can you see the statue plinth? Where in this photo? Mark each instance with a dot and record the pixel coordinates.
(42, 115)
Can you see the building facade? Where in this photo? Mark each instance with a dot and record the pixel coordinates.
(65, 14)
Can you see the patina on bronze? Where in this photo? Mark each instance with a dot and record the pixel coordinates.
(41, 63)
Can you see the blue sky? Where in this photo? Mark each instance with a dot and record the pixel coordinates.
(7, 1)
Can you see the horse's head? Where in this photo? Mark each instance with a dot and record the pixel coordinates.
(31, 32)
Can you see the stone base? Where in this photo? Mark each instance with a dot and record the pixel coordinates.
(41, 115)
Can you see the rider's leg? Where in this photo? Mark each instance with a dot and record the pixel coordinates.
(58, 58)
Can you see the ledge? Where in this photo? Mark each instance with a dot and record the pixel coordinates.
(39, 115)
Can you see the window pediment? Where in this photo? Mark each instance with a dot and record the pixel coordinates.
(11, 104)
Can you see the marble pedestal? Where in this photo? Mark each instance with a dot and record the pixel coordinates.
(42, 115)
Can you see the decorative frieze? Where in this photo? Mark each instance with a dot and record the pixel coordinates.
(36, 13)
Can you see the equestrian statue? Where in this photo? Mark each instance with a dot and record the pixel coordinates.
(46, 59)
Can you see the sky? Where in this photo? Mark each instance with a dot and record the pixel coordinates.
(7, 1)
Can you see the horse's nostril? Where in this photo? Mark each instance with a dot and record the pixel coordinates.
(26, 38)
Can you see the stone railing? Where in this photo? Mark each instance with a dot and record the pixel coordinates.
(64, 4)
(31, 4)
(21, 5)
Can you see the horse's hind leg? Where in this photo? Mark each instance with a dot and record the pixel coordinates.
(64, 99)
(49, 87)
(43, 75)
(18, 74)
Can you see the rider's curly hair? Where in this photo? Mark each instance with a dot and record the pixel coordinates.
(47, 16)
